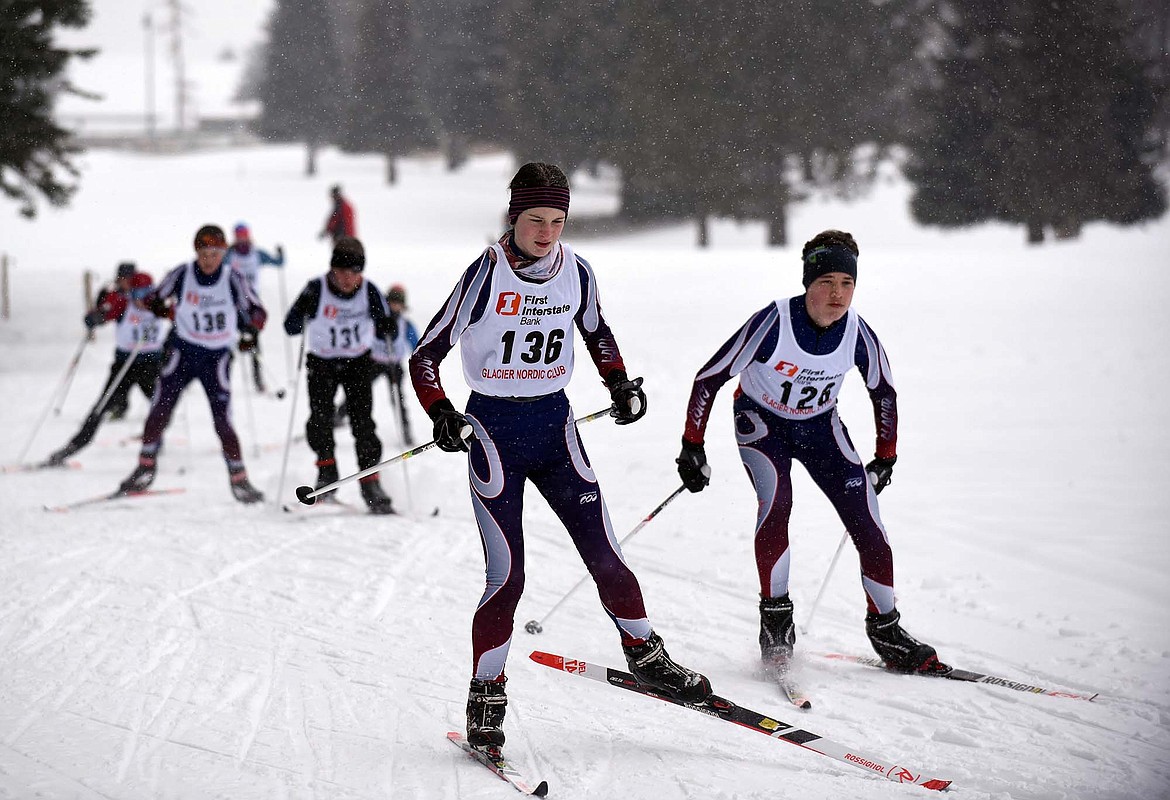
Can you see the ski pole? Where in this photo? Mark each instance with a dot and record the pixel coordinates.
(288, 362)
(292, 414)
(537, 626)
(824, 584)
(113, 387)
(244, 378)
(279, 393)
(308, 495)
(68, 376)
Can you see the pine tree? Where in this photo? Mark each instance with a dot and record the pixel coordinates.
(561, 85)
(35, 152)
(460, 65)
(303, 88)
(1042, 116)
(386, 113)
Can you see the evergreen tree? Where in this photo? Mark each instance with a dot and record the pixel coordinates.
(303, 88)
(460, 65)
(560, 81)
(386, 113)
(1041, 116)
(35, 152)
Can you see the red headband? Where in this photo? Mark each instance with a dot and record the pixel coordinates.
(537, 197)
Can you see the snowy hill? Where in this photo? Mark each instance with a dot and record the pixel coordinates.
(190, 647)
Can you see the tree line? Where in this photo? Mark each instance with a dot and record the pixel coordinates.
(1045, 113)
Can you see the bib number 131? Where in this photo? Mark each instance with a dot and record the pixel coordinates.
(535, 346)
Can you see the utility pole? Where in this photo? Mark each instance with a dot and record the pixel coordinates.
(151, 114)
(180, 67)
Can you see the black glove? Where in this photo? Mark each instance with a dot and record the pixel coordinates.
(692, 467)
(880, 471)
(452, 430)
(629, 401)
(247, 339)
(93, 319)
(157, 306)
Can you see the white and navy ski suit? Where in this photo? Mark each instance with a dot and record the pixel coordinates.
(786, 408)
(516, 342)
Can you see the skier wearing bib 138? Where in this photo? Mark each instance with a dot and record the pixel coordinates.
(513, 313)
(343, 315)
(211, 304)
(791, 357)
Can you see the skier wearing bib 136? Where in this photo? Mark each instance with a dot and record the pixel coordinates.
(211, 304)
(343, 315)
(513, 313)
(791, 357)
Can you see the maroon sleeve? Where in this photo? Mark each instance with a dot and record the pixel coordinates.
(112, 306)
(464, 305)
(871, 361)
(756, 339)
(595, 332)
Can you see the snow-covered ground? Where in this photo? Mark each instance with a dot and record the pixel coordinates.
(190, 647)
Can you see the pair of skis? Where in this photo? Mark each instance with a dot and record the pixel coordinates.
(109, 496)
(721, 708)
(714, 706)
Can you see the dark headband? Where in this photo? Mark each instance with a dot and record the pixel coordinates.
(537, 197)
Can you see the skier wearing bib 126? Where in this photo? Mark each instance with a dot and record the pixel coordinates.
(513, 314)
(211, 305)
(791, 357)
(138, 342)
(343, 315)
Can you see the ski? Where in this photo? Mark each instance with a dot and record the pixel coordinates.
(493, 759)
(9, 469)
(723, 709)
(781, 675)
(968, 676)
(114, 496)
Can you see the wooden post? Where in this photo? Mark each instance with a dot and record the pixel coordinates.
(5, 306)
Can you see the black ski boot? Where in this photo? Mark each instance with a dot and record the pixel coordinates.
(141, 478)
(326, 474)
(900, 651)
(777, 632)
(59, 458)
(653, 666)
(486, 705)
(376, 499)
(243, 490)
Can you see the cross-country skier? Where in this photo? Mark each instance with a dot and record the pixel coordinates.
(211, 304)
(791, 357)
(389, 357)
(513, 313)
(138, 339)
(343, 315)
(246, 258)
(342, 220)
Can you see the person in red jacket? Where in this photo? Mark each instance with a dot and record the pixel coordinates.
(341, 221)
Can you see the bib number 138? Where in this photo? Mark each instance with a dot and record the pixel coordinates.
(535, 347)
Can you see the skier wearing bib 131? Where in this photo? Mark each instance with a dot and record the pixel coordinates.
(211, 305)
(513, 313)
(343, 315)
(791, 357)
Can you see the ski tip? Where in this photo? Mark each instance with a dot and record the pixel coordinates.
(541, 789)
(936, 784)
(547, 659)
(806, 705)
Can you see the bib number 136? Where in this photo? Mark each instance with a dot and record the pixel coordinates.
(535, 347)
